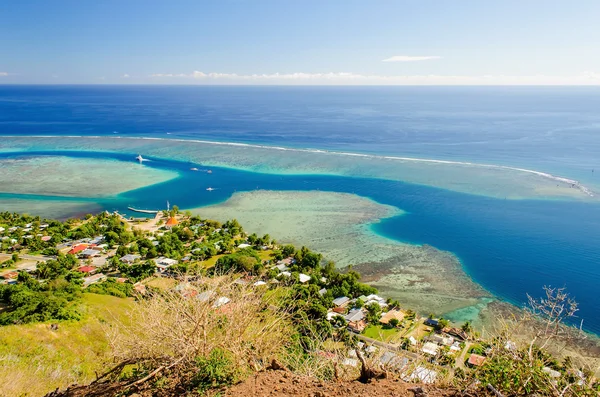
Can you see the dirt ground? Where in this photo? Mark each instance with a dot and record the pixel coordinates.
(283, 383)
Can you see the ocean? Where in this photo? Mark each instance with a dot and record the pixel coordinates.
(510, 237)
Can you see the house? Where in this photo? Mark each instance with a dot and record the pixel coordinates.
(259, 283)
(357, 326)
(441, 340)
(391, 360)
(89, 270)
(244, 245)
(373, 299)
(286, 274)
(89, 253)
(171, 222)
(397, 314)
(423, 375)
(287, 261)
(457, 333)
(455, 347)
(351, 362)
(165, 262)
(281, 267)
(129, 258)
(355, 315)
(339, 309)
(97, 240)
(46, 238)
(10, 275)
(77, 248)
(475, 360)
(221, 301)
(432, 322)
(430, 348)
(304, 278)
(342, 301)
(93, 279)
(322, 291)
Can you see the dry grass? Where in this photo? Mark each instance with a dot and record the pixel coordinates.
(35, 359)
(169, 331)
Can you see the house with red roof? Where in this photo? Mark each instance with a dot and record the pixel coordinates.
(87, 269)
(171, 222)
(78, 248)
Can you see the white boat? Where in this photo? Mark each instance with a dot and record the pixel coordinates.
(210, 189)
(140, 158)
(194, 169)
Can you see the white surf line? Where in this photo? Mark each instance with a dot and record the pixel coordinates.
(546, 175)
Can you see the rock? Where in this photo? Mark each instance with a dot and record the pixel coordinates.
(418, 391)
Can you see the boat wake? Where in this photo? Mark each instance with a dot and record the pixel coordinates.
(572, 182)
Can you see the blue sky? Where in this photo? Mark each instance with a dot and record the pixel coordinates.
(300, 42)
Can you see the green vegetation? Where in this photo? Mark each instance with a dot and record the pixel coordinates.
(112, 287)
(221, 305)
(54, 299)
(215, 370)
(382, 333)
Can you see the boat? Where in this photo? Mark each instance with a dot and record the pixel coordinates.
(194, 169)
(210, 189)
(209, 172)
(142, 211)
(140, 158)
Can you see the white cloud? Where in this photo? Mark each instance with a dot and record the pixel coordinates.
(409, 58)
(3, 74)
(348, 78)
(125, 76)
(169, 75)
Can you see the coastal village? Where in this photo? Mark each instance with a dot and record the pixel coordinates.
(112, 254)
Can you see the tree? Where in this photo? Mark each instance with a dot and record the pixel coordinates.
(554, 309)
(373, 312)
(467, 327)
(442, 323)
(394, 322)
(288, 250)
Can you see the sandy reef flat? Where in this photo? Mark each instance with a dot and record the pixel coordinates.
(484, 180)
(338, 225)
(75, 177)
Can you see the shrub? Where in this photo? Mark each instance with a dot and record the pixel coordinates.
(215, 370)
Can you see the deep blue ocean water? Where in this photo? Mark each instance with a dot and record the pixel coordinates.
(511, 247)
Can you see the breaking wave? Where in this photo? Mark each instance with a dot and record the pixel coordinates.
(574, 183)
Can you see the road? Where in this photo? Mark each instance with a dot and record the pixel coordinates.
(387, 346)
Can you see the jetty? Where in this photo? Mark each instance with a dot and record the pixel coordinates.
(143, 211)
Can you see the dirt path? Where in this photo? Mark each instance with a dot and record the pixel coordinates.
(284, 383)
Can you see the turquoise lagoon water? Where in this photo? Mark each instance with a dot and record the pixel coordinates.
(511, 247)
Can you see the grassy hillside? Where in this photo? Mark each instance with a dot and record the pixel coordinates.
(35, 359)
